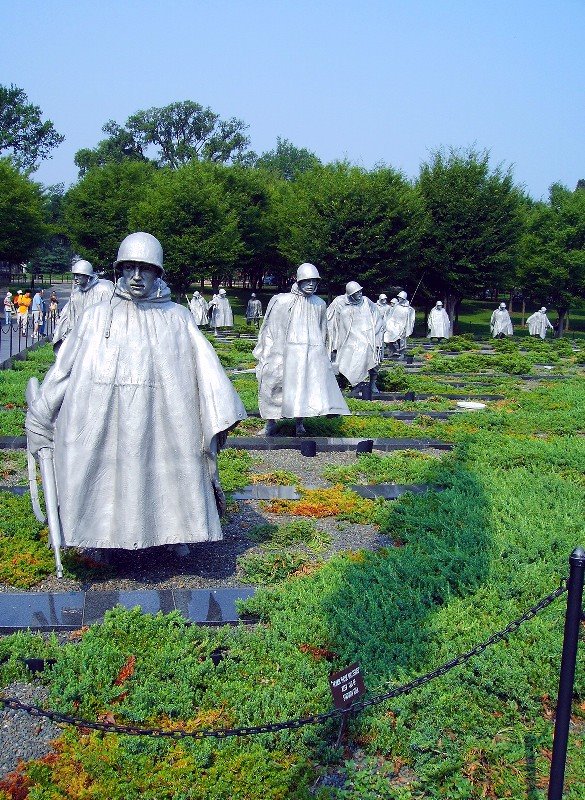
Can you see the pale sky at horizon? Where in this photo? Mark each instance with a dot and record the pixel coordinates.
(369, 81)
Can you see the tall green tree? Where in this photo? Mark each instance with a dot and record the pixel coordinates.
(249, 195)
(24, 137)
(22, 215)
(353, 224)
(96, 213)
(55, 254)
(473, 224)
(551, 262)
(188, 211)
(177, 134)
(287, 161)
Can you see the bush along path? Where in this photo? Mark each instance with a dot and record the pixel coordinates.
(468, 560)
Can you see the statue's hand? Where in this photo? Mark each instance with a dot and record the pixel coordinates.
(37, 441)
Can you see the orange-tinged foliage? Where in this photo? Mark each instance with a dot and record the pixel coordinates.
(330, 502)
(126, 671)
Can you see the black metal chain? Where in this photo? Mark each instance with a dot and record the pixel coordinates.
(274, 727)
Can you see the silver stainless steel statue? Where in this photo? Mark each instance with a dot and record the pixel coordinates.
(295, 376)
(399, 325)
(253, 311)
(355, 326)
(500, 323)
(439, 324)
(538, 323)
(221, 311)
(199, 307)
(134, 410)
(89, 289)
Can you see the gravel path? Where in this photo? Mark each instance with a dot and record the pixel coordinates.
(214, 564)
(23, 737)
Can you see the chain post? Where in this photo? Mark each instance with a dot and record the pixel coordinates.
(573, 619)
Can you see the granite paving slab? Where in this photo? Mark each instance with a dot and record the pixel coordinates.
(260, 491)
(330, 444)
(392, 491)
(427, 395)
(41, 611)
(150, 601)
(69, 611)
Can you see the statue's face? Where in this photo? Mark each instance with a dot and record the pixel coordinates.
(308, 286)
(138, 278)
(80, 280)
(356, 296)
(383, 301)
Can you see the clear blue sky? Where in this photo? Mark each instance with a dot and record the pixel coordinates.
(371, 81)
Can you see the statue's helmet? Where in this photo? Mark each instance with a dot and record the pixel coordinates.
(252, 295)
(141, 247)
(82, 267)
(196, 294)
(439, 304)
(394, 301)
(543, 309)
(382, 297)
(502, 305)
(402, 295)
(307, 272)
(222, 292)
(352, 287)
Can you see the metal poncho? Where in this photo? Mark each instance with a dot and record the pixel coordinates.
(439, 324)
(295, 376)
(135, 399)
(199, 306)
(221, 316)
(97, 289)
(501, 323)
(254, 309)
(383, 308)
(538, 324)
(355, 332)
(400, 324)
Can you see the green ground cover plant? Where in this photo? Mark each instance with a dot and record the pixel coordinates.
(469, 560)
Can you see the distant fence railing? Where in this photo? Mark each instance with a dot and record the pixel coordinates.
(22, 332)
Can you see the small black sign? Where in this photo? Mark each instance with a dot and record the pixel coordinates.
(347, 686)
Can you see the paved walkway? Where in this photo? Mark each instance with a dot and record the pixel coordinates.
(13, 341)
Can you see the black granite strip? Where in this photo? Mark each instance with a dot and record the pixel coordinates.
(211, 606)
(68, 611)
(41, 611)
(427, 395)
(392, 491)
(330, 444)
(260, 491)
(12, 442)
(150, 601)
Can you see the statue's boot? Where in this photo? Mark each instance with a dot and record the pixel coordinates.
(299, 427)
(270, 428)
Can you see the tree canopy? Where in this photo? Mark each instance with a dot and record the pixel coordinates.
(287, 161)
(473, 224)
(22, 214)
(24, 137)
(551, 263)
(97, 209)
(351, 223)
(188, 211)
(177, 133)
